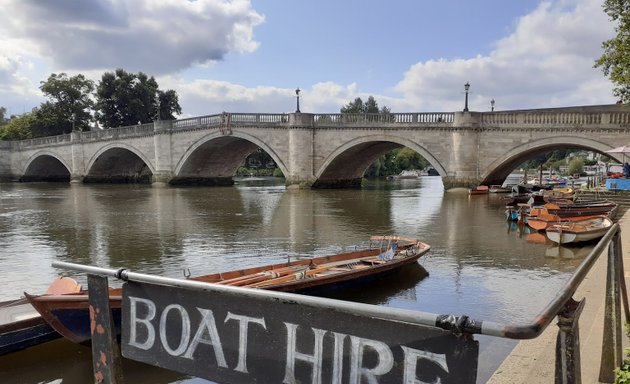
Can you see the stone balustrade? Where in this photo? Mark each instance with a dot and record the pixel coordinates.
(576, 117)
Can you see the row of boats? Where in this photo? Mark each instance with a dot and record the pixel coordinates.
(64, 309)
(563, 218)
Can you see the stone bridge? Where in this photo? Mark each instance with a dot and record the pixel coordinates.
(315, 150)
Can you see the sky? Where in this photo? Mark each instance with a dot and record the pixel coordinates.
(251, 56)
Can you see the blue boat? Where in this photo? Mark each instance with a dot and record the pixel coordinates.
(21, 326)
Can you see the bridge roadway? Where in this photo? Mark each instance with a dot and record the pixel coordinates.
(315, 150)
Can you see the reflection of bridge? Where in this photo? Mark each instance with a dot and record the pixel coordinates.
(320, 150)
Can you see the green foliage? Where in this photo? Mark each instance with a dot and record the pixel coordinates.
(358, 106)
(576, 166)
(18, 128)
(546, 159)
(168, 103)
(396, 161)
(68, 107)
(124, 98)
(622, 374)
(615, 61)
(3, 112)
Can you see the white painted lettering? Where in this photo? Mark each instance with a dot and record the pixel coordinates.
(411, 360)
(134, 321)
(357, 370)
(338, 358)
(243, 324)
(292, 354)
(185, 335)
(207, 324)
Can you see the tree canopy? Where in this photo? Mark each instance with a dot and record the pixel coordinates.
(18, 128)
(358, 106)
(615, 61)
(68, 107)
(75, 103)
(124, 98)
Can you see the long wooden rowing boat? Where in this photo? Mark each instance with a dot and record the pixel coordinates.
(69, 314)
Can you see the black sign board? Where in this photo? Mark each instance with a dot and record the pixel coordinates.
(234, 338)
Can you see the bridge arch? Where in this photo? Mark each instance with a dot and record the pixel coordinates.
(498, 170)
(214, 158)
(46, 166)
(347, 164)
(119, 163)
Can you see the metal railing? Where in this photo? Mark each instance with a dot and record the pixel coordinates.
(567, 365)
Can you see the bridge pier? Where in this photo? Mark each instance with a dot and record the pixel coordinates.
(451, 182)
(301, 132)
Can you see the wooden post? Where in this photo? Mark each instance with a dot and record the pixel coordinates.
(106, 360)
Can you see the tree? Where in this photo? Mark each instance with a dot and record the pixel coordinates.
(18, 128)
(168, 104)
(3, 112)
(576, 166)
(357, 106)
(615, 62)
(68, 107)
(124, 98)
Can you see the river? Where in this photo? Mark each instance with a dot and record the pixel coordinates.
(479, 265)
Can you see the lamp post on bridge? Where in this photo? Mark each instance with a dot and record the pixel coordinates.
(466, 88)
(297, 95)
(492, 105)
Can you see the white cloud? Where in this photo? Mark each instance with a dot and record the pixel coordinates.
(152, 36)
(547, 61)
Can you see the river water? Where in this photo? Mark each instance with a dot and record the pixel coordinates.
(479, 265)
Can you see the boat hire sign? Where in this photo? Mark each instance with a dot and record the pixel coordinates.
(236, 338)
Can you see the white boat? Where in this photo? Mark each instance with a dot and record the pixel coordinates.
(581, 230)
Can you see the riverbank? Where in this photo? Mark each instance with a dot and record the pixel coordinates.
(533, 361)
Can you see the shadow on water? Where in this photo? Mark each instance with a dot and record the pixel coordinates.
(61, 361)
(400, 283)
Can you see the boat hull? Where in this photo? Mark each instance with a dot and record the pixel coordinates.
(20, 329)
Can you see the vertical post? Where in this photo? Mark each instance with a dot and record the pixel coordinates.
(106, 360)
(611, 342)
(568, 369)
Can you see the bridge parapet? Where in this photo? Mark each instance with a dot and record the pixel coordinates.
(117, 133)
(228, 119)
(48, 140)
(323, 119)
(557, 119)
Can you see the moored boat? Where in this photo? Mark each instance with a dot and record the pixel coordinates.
(479, 190)
(21, 326)
(499, 189)
(578, 231)
(581, 208)
(69, 314)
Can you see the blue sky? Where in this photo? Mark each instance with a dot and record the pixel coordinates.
(249, 56)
